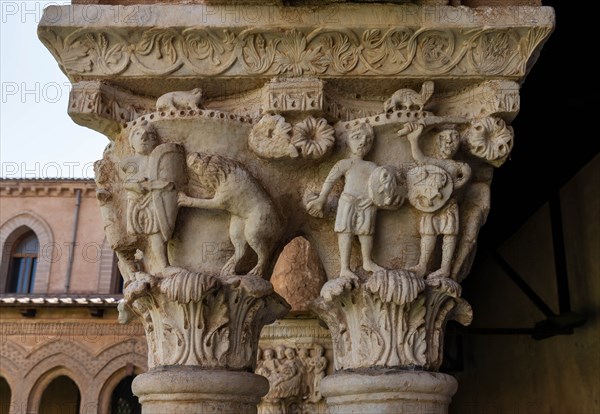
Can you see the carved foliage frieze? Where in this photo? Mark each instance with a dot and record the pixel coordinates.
(202, 51)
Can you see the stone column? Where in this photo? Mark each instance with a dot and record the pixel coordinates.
(370, 129)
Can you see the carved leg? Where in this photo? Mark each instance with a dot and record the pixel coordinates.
(126, 264)
(427, 246)
(366, 247)
(240, 245)
(470, 230)
(345, 245)
(448, 248)
(155, 256)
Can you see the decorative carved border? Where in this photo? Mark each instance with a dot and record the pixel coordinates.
(471, 47)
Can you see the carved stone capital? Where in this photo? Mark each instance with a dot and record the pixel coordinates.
(194, 319)
(372, 130)
(391, 320)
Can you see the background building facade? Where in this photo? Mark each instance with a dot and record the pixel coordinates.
(61, 347)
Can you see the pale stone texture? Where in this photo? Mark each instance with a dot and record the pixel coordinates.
(379, 151)
(389, 392)
(296, 355)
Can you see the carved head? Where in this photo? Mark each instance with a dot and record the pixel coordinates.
(290, 353)
(280, 349)
(319, 351)
(360, 139)
(268, 354)
(143, 138)
(303, 353)
(209, 170)
(197, 92)
(448, 141)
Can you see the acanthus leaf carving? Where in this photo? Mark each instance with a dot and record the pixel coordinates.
(432, 51)
(200, 45)
(258, 53)
(295, 55)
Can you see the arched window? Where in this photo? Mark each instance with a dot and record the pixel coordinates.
(60, 397)
(122, 400)
(5, 396)
(117, 279)
(23, 264)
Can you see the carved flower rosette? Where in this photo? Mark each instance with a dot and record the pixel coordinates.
(314, 138)
(393, 319)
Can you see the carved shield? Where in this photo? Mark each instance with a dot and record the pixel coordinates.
(429, 187)
(166, 170)
(385, 189)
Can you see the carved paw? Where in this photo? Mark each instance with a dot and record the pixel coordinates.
(183, 200)
(229, 268)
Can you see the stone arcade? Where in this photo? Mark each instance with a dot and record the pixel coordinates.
(369, 129)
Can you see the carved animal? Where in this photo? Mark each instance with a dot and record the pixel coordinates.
(409, 100)
(180, 100)
(254, 221)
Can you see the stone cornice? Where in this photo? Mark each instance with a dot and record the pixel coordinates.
(46, 187)
(378, 41)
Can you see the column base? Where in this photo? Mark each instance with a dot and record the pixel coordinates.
(194, 391)
(382, 391)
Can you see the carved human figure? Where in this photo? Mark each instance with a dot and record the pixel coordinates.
(266, 365)
(319, 364)
(473, 214)
(106, 173)
(356, 211)
(151, 177)
(308, 370)
(289, 378)
(434, 180)
(254, 223)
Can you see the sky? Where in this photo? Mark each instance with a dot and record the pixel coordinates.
(38, 139)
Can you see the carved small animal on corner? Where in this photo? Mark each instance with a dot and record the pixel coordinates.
(254, 221)
(409, 100)
(180, 100)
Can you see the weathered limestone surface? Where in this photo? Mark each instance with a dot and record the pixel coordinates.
(372, 130)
